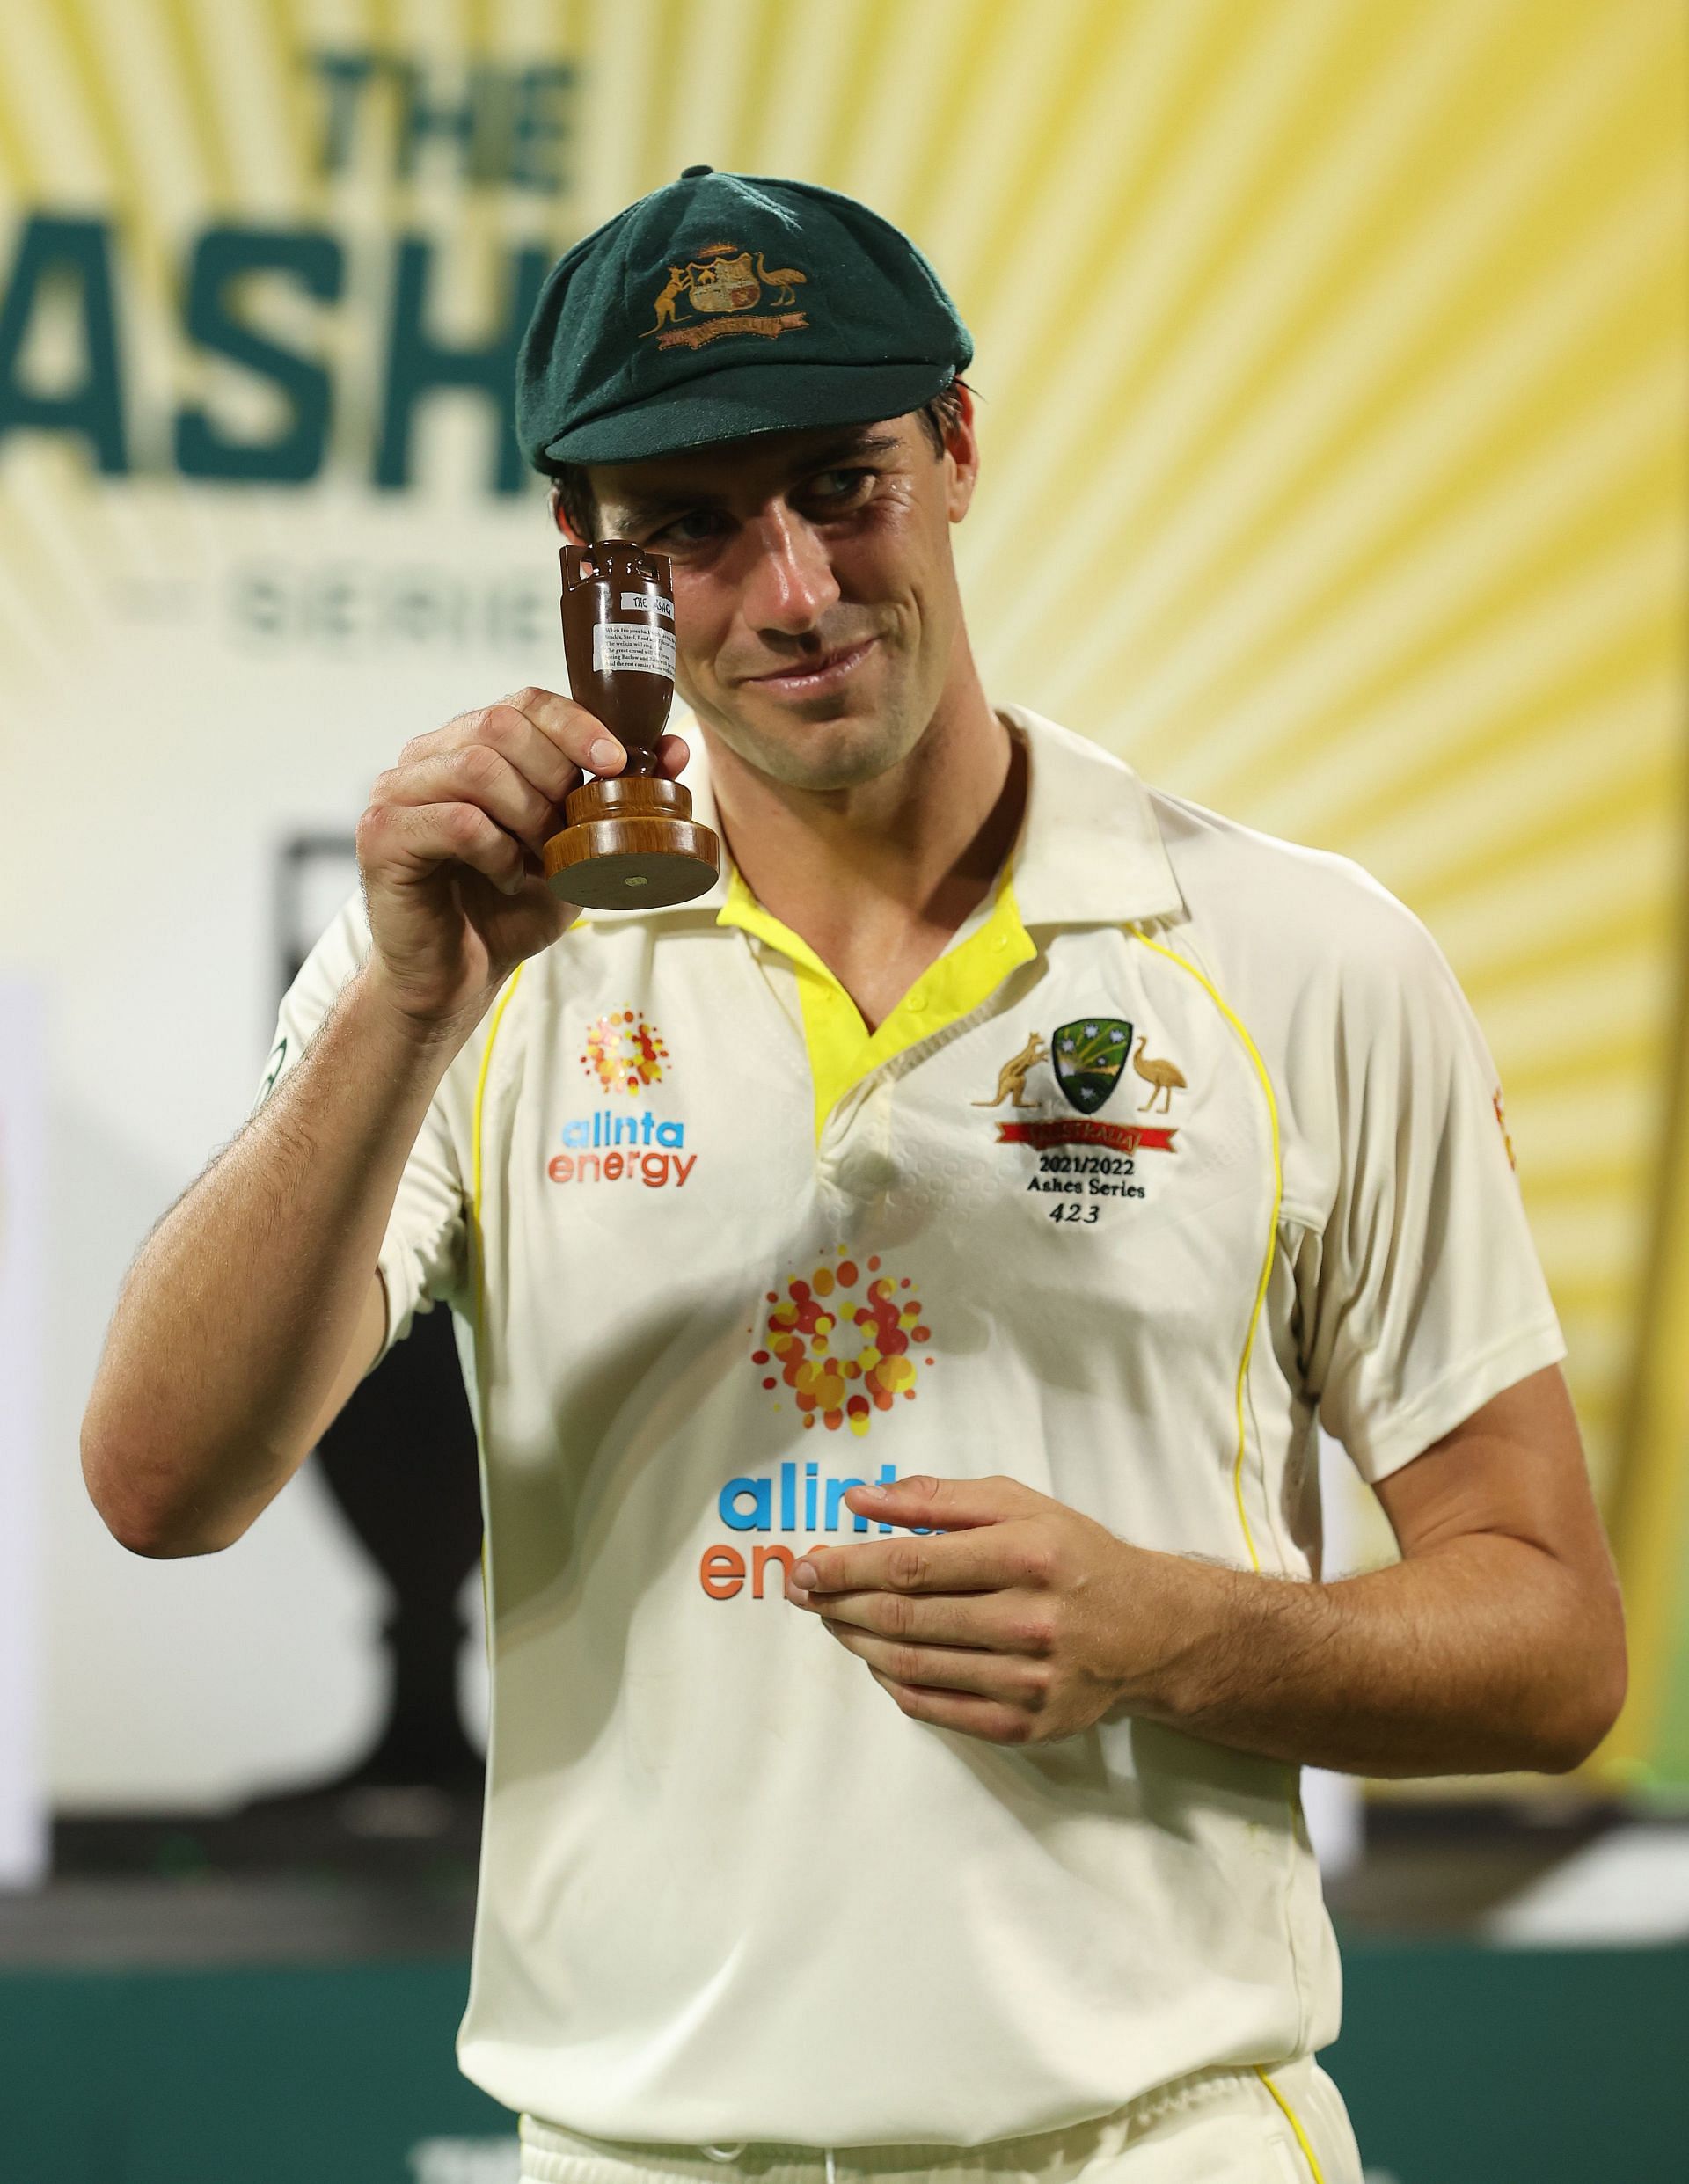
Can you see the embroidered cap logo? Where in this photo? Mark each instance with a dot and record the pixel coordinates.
(725, 282)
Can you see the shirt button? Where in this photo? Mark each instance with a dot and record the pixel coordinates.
(868, 1175)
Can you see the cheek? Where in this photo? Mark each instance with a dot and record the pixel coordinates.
(701, 622)
(901, 556)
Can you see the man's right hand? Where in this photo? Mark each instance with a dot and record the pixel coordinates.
(450, 851)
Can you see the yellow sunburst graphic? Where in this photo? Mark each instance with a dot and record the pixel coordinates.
(844, 1354)
(624, 1053)
(1330, 360)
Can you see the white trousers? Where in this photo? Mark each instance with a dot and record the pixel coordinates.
(1283, 2125)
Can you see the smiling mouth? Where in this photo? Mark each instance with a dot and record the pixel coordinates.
(832, 667)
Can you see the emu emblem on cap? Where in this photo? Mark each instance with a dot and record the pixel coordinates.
(722, 283)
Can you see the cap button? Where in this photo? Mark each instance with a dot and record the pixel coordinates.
(687, 173)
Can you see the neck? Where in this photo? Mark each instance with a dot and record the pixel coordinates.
(894, 863)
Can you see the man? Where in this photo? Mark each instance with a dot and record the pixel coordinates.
(898, 1289)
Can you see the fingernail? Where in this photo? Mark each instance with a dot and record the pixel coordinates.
(804, 1576)
(605, 753)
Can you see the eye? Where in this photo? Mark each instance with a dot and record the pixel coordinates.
(694, 529)
(840, 488)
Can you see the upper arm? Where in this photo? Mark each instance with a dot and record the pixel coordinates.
(1514, 1468)
(1421, 1296)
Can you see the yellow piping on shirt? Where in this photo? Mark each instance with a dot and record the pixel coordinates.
(1251, 1050)
(504, 1003)
(1295, 2122)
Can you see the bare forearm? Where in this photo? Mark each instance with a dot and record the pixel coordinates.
(1483, 1656)
(239, 1313)
(1496, 1643)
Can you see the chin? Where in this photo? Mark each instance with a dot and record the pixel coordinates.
(821, 746)
(838, 752)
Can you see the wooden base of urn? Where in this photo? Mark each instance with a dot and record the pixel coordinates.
(631, 843)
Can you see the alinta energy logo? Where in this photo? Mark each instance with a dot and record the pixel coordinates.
(843, 1340)
(625, 1057)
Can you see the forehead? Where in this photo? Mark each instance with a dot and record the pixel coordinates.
(748, 468)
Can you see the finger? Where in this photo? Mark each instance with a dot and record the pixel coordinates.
(502, 728)
(987, 1622)
(414, 838)
(1008, 1677)
(979, 1560)
(476, 773)
(974, 1716)
(570, 729)
(535, 753)
(579, 735)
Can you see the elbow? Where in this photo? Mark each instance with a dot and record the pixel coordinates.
(156, 1543)
(1590, 1703)
(144, 1523)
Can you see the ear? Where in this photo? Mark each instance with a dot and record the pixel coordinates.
(962, 452)
(562, 520)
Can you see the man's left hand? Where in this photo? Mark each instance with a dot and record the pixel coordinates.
(1025, 1621)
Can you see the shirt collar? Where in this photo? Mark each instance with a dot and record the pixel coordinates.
(1090, 850)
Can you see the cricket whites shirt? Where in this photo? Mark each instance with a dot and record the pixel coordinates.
(1188, 1141)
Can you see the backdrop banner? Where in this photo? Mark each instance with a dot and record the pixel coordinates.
(1334, 356)
(23, 1253)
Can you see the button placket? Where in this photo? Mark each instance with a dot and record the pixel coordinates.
(831, 1150)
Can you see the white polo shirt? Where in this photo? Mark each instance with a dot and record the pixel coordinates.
(1188, 1136)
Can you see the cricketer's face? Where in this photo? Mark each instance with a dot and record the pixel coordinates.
(817, 617)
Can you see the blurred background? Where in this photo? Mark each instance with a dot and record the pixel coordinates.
(1335, 352)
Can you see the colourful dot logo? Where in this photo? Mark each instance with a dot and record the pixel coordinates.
(624, 1052)
(843, 1339)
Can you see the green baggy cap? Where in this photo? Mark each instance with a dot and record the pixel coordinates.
(724, 305)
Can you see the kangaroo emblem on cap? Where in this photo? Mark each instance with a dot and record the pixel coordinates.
(721, 284)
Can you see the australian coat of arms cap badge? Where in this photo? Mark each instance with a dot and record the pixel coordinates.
(717, 293)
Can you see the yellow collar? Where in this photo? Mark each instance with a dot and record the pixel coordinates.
(842, 1050)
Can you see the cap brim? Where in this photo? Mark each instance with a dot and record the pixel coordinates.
(742, 400)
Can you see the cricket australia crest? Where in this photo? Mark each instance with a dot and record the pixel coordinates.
(1089, 1055)
(1060, 1084)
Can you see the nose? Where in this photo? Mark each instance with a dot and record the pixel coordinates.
(791, 582)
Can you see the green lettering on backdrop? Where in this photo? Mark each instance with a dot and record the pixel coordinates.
(496, 127)
(540, 126)
(423, 114)
(418, 364)
(223, 258)
(59, 254)
(345, 75)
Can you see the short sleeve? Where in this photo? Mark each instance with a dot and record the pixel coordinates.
(423, 1254)
(1423, 1296)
